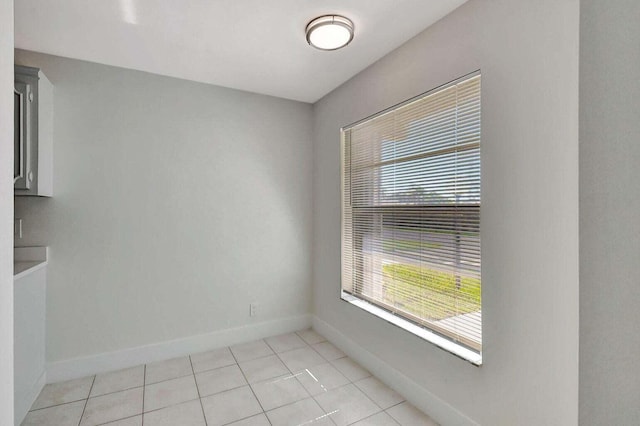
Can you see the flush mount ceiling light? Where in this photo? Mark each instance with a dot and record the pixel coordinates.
(329, 32)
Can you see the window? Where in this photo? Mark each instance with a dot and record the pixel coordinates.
(411, 216)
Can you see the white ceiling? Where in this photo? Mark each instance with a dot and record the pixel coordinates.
(253, 45)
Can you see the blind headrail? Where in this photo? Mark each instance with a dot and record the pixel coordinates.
(422, 95)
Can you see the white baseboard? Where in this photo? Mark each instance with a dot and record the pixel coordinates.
(24, 402)
(438, 409)
(103, 362)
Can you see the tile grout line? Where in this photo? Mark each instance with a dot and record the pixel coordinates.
(165, 380)
(118, 420)
(322, 408)
(291, 373)
(249, 384)
(294, 375)
(198, 390)
(223, 391)
(374, 414)
(248, 417)
(213, 369)
(112, 392)
(288, 350)
(389, 414)
(311, 328)
(366, 395)
(307, 346)
(395, 405)
(267, 343)
(144, 388)
(167, 406)
(56, 405)
(371, 399)
(251, 359)
(310, 395)
(351, 382)
(285, 377)
(87, 400)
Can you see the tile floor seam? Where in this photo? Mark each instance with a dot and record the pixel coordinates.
(252, 359)
(393, 417)
(87, 400)
(225, 390)
(253, 341)
(367, 396)
(288, 350)
(248, 367)
(323, 410)
(164, 380)
(295, 402)
(282, 377)
(334, 359)
(311, 396)
(57, 405)
(144, 389)
(245, 377)
(282, 352)
(285, 364)
(311, 329)
(386, 410)
(270, 347)
(245, 418)
(344, 355)
(168, 406)
(315, 400)
(398, 403)
(345, 375)
(287, 404)
(374, 403)
(197, 390)
(111, 393)
(374, 414)
(214, 368)
(114, 421)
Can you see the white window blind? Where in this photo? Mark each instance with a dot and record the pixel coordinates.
(411, 211)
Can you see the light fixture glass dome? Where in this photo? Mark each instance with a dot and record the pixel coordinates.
(329, 32)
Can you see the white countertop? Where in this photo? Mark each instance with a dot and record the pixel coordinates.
(28, 259)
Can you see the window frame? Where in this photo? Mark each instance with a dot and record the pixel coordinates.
(415, 325)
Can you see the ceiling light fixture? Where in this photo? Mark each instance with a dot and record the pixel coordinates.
(329, 32)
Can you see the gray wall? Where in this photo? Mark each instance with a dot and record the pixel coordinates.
(528, 54)
(175, 205)
(6, 213)
(609, 212)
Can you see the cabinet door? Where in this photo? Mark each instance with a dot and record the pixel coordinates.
(21, 136)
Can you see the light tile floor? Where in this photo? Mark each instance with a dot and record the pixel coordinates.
(292, 379)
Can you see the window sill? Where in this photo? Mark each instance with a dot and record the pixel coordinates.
(457, 350)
